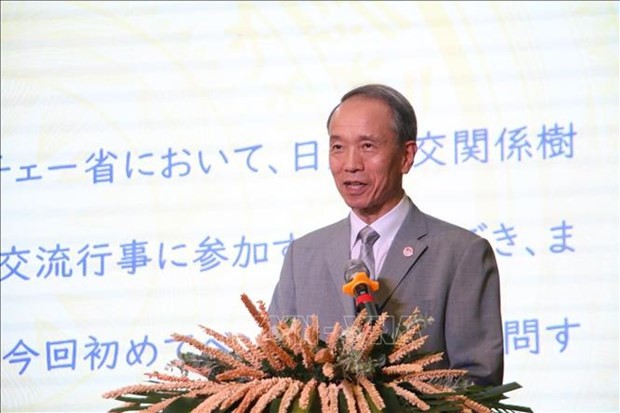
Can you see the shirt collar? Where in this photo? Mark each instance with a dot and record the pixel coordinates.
(387, 226)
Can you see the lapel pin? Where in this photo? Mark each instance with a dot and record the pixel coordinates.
(408, 251)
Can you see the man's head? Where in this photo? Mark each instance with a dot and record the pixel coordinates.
(405, 122)
(372, 136)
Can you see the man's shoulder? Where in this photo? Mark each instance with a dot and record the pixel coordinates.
(443, 228)
(323, 233)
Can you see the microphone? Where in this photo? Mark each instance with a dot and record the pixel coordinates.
(360, 286)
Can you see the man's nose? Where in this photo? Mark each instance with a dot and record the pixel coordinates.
(353, 161)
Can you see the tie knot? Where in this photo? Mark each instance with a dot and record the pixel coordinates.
(368, 235)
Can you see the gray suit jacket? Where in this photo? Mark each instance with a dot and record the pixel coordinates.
(452, 276)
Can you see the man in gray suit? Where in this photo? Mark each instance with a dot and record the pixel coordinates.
(449, 273)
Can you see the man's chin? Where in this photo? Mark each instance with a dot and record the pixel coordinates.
(361, 209)
(354, 202)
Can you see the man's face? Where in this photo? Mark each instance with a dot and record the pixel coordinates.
(365, 158)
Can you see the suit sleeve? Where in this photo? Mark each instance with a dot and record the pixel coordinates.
(473, 328)
(283, 299)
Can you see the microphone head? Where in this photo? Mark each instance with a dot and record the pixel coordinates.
(353, 267)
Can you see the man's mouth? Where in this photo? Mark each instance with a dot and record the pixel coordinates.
(354, 185)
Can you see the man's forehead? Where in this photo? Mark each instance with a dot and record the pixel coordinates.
(362, 116)
(359, 111)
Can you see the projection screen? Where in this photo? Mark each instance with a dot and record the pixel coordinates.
(157, 158)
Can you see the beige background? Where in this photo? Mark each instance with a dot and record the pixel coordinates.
(213, 78)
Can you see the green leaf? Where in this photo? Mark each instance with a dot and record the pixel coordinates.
(274, 406)
(513, 408)
(127, 409)
(373, 408)
(314, 405)
(497, 391)
(392, 404)
(183, 405)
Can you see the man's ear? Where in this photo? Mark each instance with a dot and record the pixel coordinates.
(410, 150)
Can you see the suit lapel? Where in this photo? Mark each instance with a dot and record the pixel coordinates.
(406, 248)
(337, 253)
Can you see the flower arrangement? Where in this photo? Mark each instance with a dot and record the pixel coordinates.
(290, 369)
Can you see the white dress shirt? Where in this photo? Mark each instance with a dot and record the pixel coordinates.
(387, 226)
